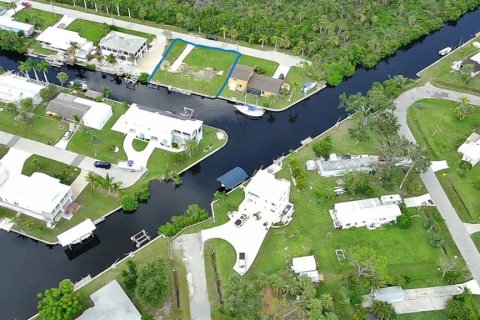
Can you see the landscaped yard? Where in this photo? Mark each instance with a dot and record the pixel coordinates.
(312, 232)
(41, 50)
(204, 71)
(41, 128)
(435, 126)
(67, 174)
(95, 31)
(41, 19)
(442, 75)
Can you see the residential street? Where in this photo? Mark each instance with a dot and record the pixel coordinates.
(456, 227)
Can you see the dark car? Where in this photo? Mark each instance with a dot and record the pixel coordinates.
(212, 37)
(281, 76)
(102, 164)
(241, 220)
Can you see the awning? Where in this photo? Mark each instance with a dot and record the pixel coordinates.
(233, 178)
(76, 234)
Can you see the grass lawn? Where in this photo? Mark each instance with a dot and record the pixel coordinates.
(3, 150)
(41, 50)
(296, 74)
(51, 167)
(312, 232)
(205, 71)
(266, 65)
(431, 315)
(139, 145)
(435, 126)
(41, 128)
(442, 75)
(41, 19)
(476, 239)
(95, 31)
(175, 52)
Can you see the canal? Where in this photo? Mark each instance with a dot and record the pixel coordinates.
(28, 267)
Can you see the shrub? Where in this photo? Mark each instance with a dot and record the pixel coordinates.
(192, 215)
(324, 193)
(143, 78)
(129, 203)
(174, 145)
(383, 310)
(147, 317)
(476, 184)
(143, 194)
(404, 221)
(152, 283)
(129, 276)
(49, 92)
(463, 168)
(60, 303)
(90, 67)
(323, 147)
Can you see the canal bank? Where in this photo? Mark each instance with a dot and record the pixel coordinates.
(252, 143)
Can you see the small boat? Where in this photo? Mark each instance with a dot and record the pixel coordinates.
(308, 86)
(250, 110)
(80, 83)
(445, 51)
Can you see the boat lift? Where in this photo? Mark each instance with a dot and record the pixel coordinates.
(187, 112)
(140, 238)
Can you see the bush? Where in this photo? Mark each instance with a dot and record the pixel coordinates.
(152, 284)
(129, 203)
(404, 221)
(192, 215)
(323, 147)
(90, 67)
(463, 168)
(60, 303)
(383, 310)
(476, 185)
(174, 145)
(129, 276)
(325, 194)
(143, 194)
(49, 92)
(147, 317)
(143, 78)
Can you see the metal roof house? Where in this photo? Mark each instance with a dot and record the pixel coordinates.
(335, 166)
(306, 266)
(123, 45)
(62, 39)
(370, 213)
(10, 24)
(92, 114)
(470, 149)
(14, 88)
(111, 303)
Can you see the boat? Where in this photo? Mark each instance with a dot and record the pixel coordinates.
(80, 83)
(129, 165)
(250, 110)
(445, 51)
(307, 87)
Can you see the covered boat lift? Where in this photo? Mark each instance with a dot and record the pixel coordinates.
(76, 234)
(233, 178)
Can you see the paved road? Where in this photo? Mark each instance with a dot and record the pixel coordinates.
(191, 246)
(472, 228)
(455, 225)
(279, 57)
(71, 158)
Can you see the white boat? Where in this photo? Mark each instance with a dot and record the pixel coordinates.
(445, 51)
(129, 165)
(250, 110)
(80, 83)
(307, 87)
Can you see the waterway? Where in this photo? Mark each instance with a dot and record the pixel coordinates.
(28, 267)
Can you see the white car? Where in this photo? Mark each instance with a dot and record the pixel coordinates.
(68, 135)
(242, 260)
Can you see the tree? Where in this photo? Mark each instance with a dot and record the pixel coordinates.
(448, 265)
(129, 203)
(106, 91)
(129, 276)
(191, 147)
(241, 300)
(44, 66)
(93, 179)
(224, 30)
(233, 34)
(459, 307)
(323, 148)
(220, 196)
(142, 13)
(295, 87)
(60, 303)
(62, 77)
(464, 108)
(33, 66)
(49, 92)
(263, 39)
(367, 263)
(24, 67)
(111, 59)
(358, 182)
(180, 19)
(152, 284)
(466, 71)
(404, 221)
(383, 310)
(12, 6)
(36, 164)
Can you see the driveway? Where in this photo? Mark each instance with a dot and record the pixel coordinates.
(472, 228)
(177, 63)
(139, 157)
(14, 159)
(282, 69)
(456, 226)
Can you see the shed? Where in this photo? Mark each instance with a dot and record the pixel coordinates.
(389, 294)
(76, 234)
(233, 178)
(304, 264)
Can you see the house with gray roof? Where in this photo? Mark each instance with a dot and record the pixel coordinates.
(111, 303)
(123, 45)
(335, 166)
(244, 78)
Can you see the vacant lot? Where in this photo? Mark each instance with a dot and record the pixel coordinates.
(435, 126)
(40, 19)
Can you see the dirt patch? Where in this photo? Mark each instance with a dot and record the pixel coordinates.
(205, 74)
(268, 302)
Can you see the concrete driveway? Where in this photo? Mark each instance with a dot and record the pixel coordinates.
(14, 159)
(282, 69)
(139, 157)
(248, 238)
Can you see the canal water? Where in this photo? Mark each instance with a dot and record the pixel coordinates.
(28, 267)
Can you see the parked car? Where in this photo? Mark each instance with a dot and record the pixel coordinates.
(67, 134)
(242, 260)
(241, 220)
(281, 76)
(212, 37)
(102, 164)
(26, 4)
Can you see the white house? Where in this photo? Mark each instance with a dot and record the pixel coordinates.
(370, 213)
(14, 88)
(336, 166)
(470, 149)
(267, 196)
(92, 114)
(39, 196)
(10, 24)
(171, 131)
(306, 266)
(123, 45)
(62, 39)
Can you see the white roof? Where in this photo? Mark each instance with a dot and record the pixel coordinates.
(476, 58)
(304, 264)
(111, 303)
(61, 38)
(157, 123)
(264, 185)
(77, 233)
(364, 210)
(38, 193)
(471, 149)
(9, 23)
(97, 115)
(390, 197)
(14, 88)
(123, 42)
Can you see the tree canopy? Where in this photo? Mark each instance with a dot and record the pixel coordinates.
(152, 284)
(59, 303)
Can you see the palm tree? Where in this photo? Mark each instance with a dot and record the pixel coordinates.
(62, 77)
(180, 18)
(276, 40)
(13, 5)
(132, 58)
(233, 34)
(44, 66)
(33, 65)
(25, 68)
(116, 187)
(72, 51)
(224, 29)
(251, 38)
(263, 39)
(219, 196)
(107, 182)
(191, 147)
(295, 87)
(106, 92)
(93, 179)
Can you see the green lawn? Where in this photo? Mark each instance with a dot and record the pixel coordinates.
(3, 150)
(312, 232)
(139, 145)
(175, 52)
(476, 239)
(41, 128)
(41, 19)
(266, 65)
(205, 71)
(442, 75)
(436, 127)
(41, 50)
(95, 31)
(431, 315)
(51, 167)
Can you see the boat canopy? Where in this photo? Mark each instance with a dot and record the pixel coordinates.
(76, 234)
(233, 178)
